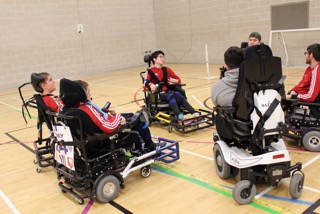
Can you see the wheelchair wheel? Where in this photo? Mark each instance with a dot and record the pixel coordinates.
(169, 128)
(145, 171)
(296, 186)
(223, 169)
(80, 201)
(108, 188)
(38, 170)
(242, 194)
(311, 140)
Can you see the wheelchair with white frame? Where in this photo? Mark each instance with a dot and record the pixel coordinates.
(160, 111)
(248, 144)
(92, 164)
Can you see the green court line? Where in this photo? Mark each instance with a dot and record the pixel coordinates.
(26, 114)
(222, 190)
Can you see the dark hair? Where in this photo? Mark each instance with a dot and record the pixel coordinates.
(37, 79)
(315, 50)
(233, 57)
(84, 84)
(156, 54)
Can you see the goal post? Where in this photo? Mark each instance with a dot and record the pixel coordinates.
(291, 44)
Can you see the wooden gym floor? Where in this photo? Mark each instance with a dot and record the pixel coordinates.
(189, 185)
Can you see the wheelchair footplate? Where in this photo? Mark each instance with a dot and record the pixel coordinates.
(203, 120)
(167, 154)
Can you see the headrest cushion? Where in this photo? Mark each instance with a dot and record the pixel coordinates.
(257, 51)
(71, 93)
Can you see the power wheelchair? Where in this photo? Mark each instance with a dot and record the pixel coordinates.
(43, 145)
(248, 144)
(160, 111)
(304, 121)
(91, 164)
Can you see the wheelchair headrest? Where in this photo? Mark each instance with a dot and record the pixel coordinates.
(256, 51)
(71, 93)
(35, 80)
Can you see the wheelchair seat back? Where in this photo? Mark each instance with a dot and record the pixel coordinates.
(259, 84)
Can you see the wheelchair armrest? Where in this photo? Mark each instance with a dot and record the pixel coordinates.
(104, 136)
(308, 104)
(292, 102)
(225, 109)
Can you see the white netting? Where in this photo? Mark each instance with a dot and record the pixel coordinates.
(291, 44)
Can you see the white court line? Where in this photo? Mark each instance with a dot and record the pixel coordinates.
(198, 101)
(196, 154)
(270, 187)
(310, 161)
(8, 202)
(10, 106)
(287, 180)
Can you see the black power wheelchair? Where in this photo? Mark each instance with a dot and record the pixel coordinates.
(249, 144)
(160, 111)
(43, 145)
(304, 122)
(91, 164)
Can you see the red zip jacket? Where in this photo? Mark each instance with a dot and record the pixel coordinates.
(309, 87)
(52, 104)
(159, 74)
(107, 126)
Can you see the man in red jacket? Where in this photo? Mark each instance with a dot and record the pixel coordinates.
(309, 87)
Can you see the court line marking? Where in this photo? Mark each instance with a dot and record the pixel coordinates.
(268, 189)
(197, 100)
(9, 203)
(10, 106)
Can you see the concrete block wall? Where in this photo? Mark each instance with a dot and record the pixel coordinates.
(183, 27)
(41, 36)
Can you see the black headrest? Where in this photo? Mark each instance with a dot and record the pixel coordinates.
(257, 51)
(35, 80)
(71, 93)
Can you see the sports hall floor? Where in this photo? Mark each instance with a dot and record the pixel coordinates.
(189, 185)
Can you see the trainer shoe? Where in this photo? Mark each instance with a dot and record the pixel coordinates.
(187, 119)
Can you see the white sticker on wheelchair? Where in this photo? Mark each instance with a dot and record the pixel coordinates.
(62, 133)
(262, 101)
(64, 155)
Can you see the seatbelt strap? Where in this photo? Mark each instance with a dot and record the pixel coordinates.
(263, 119)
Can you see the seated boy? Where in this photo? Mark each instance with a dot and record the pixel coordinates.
(108, 122)
(165, 80)
(45, 85)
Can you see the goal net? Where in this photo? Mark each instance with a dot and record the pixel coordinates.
(291, 44)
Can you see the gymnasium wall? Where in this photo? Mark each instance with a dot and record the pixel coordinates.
(183, 27)
(42, 35)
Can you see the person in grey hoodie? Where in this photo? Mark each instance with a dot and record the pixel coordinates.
(223, 91)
